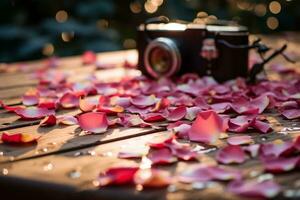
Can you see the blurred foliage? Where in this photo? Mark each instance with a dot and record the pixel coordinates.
(34, 29)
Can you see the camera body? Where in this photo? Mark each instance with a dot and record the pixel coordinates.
(170, 49)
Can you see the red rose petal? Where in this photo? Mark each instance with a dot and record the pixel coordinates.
(239, 140)
(18, 138)
(33, 112)
(176, 114)
(10, 108)
(297, 143)
(161, 156)
(48, 121)
(69, 100)
(117, 176)
(94, 122)
(153, 117)
(131, 120)
(206, 128)
(254, 188)
(183, 152)
(110, 110)
(152, 178)
(231, 154)
(89, 57)
(252, 149)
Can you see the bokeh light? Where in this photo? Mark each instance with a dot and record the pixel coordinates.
(135, 7)
(61, 16)
(272, 23)
(129, 43)
(260, 10)
(48, 49)
(150, 7)
(67, 36)
(275, 7)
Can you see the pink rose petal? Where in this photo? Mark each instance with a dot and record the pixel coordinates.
(276, 148)
(203, 173)
(261, 126)
(94, 122)
(89, 57)
(240, 123)
(33, 112)
(231, 154)
(85, 105)
(240, 140)
(291, 113)
(161, 156)
(143, 101)
(67, 120)
(30, 100)
(252, 150)
(279, 165)
(254, 189)
(69, 100)
(153, 117)
(206, 128)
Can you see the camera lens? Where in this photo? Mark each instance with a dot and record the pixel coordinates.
(162, 58)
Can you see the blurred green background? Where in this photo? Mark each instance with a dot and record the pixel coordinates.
(33, 29)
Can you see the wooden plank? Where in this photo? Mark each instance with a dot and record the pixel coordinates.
(79, 173)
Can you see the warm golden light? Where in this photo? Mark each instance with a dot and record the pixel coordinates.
(275, 7)
(260, 10)
(102, 23)
(67, 36)
(272, 23)
(129, 43)
(150, 7)
(135, 7)
(48, 49)
(157, 2)
(61, 16)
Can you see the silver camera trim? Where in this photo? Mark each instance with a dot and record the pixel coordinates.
(169, 45)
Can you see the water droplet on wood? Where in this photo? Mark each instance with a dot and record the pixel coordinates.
(48, 167)
(4, 171)
(74, 174)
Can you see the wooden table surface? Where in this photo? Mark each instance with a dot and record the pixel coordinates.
(65, 164)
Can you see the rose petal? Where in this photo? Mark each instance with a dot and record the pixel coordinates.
(161, 156)
(203, 173)
(94, 122)
(143, 101)
(110, 110)
(153, 117)
(117, 176)
(279, 165)
(291, 113)
(252, 149)
(261, 126)
(240, 123)
(67, 120)
(85, 105)
(18, 138)
(239, 140)
(48, 121)
(276, 148)
(30, 100)
(152, 178)
(192, 112)
(130, 120)
(10, 108)
(89, 57)
(69, 100)
(231, 154)
(176, 114)
(33, 112)
(254, 188)
(206, 128)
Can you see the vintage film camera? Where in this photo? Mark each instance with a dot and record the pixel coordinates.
(219, 49)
